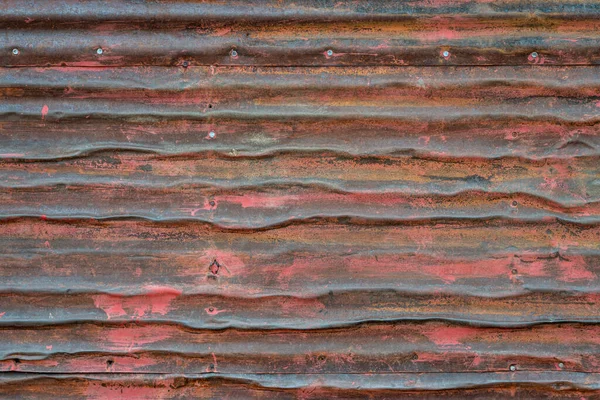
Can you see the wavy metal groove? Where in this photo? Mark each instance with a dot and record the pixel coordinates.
(361, 199)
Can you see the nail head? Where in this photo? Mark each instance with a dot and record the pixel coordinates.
(534, 54)
(513, 368)
(99, 50)
(329, 53)
(446, 53)
(561, 365)
(15, 52)
(233, 53)
(212, 135)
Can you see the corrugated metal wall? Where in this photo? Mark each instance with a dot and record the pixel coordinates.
(320, 199)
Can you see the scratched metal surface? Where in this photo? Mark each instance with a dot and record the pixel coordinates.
(267, 199)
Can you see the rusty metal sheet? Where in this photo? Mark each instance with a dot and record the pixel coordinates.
(204, 199)
(314, 32)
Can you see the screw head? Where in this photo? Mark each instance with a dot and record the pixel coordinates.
(15, 52)
(212, 135)
(233, 53)
(329, 53)
(534, 54)
(513, 368)
(99, 50)
(446, 53)
(561, 365)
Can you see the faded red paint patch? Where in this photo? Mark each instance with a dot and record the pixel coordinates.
(44, 111)
(566, 269)
(157, 301)
(11, 155)
(449, 336)
(133, 364)
(260, 201)
(27, 365)
(448, 271)
(111, 305)
(303, 308)
(576, 269)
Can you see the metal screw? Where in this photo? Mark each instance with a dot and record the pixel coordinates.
(233, 53)
(185, 64)
(99, 51)
(329, 53)
(534, 54)
(15, 52)
(513, 368)
(446, 53)
(212, 135)
(561, 365)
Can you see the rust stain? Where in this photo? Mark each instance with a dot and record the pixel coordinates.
(319, 199)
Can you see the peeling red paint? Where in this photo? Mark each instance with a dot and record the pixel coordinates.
(157, 301)
(351, 200)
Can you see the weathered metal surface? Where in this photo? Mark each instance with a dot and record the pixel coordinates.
(216, 206)
(314, 32)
